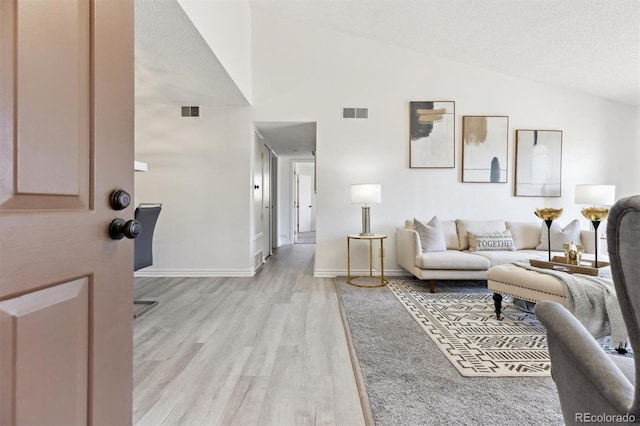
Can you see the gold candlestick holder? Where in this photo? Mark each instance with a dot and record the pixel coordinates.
(595, 215)
(548, 214)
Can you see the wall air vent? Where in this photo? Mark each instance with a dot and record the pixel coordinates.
(348, 113)
(355, 112)
(191, 111)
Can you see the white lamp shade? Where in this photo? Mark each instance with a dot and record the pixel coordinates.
(366, 193)
(597, 195)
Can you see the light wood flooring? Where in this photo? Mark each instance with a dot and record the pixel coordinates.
(306, 237)
(266, 350)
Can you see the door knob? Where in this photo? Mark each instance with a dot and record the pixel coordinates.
(119, 199)
(118, 229)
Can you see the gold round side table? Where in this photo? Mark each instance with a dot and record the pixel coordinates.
(351, 279)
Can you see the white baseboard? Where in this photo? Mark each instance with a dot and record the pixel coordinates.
(214, 273)
(194, 273)
(332, 273)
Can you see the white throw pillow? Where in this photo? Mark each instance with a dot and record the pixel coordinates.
(491, 241)
(526, 235)
(431, 235)
(559, 236)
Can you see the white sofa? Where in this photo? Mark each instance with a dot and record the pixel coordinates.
(458, 262)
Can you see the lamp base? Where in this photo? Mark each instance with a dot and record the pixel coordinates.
(366, 223)
(596, 224)
(549, 222)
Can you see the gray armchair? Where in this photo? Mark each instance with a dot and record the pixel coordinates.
(589, 381)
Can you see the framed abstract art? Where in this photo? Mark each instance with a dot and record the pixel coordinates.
(485, 148)
(432, 134)
(538, 163)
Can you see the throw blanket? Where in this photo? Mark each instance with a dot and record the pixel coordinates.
(593, 301)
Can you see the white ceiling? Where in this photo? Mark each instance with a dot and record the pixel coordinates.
(592, 46)
(287, 138)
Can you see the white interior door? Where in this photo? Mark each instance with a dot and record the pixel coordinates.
(304, 203)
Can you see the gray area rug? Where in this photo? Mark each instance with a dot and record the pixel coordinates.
(410, 382)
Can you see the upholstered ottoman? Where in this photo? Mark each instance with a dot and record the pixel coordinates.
(523, 284)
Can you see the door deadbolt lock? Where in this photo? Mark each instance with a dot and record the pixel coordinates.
(119, 228)
(119, 199)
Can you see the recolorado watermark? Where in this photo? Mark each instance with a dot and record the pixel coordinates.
(605, 418)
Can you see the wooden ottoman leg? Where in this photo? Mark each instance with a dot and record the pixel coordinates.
(497, 301)
(432, 286)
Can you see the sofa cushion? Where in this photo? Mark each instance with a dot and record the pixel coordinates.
(560, 236)
(490, 241)
(452, 259)
(526, 235)
(502, 257)
(431, 235)
(541, 255)
(477, 226)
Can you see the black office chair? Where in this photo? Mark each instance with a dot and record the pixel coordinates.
(147, 214)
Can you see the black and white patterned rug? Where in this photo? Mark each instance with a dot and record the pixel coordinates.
(461, 321)
(464, 327)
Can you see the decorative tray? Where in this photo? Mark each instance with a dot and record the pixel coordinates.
(559, 263)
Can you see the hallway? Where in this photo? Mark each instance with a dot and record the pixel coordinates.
(306, 237)
(265, 350)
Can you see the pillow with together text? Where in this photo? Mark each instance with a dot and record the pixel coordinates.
(491, 241)
(431, 235)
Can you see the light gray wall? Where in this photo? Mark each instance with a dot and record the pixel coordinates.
(636, 176)
(200, 170)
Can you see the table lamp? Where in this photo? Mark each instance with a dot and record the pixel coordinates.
(598, 196)
(548, 214)
(366, 193)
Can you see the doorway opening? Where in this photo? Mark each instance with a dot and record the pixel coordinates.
(293, 147)
(304, 202)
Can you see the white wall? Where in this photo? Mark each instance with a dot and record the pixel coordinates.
(302, 73)
(285, 197)
(636, 176)
(226, 27)
(199, 169)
